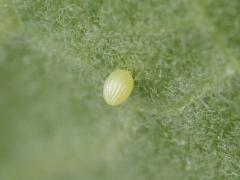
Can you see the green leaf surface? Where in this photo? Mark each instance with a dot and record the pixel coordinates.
(182, 121)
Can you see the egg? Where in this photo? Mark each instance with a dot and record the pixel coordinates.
(118, 87)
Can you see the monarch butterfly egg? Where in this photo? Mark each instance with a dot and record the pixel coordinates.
(118, 87)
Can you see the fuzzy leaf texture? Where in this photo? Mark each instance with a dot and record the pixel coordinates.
(182, 120)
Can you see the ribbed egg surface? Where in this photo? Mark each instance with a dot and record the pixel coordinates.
(118, 87)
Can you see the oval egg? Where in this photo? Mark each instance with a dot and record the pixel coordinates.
(118, 87)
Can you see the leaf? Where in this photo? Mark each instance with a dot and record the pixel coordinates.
(182, 121)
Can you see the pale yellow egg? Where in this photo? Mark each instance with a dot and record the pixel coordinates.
(118, 87)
